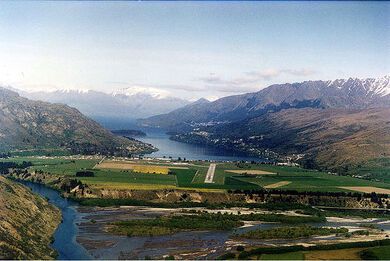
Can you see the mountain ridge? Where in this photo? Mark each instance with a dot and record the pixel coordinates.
(334, 138)
(341, 93)
(34, 125)
(126, 103)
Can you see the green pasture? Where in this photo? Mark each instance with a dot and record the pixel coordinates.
(283, 256)
(66, 167)
(382, 252)
(102, 176)
(194, 176)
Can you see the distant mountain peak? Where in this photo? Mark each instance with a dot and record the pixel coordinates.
(371, 86)
(201, 100)
(351, 93)
(128, 103)
(73, 91)
(37, 125)
(138, 90)
(6, 92)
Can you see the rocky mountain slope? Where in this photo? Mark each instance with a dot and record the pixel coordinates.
(349, 94)
(333, 138)
(128, 103)
(36, 125)
(27, 222)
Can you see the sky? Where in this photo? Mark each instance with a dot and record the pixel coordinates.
(189, 49)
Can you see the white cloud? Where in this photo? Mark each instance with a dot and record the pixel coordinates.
(250, 80)
(157, 93)
(265, 75)
(301, 72)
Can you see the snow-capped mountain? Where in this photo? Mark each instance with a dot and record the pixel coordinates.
(349, 93)
(143, 91)
(129, 103)
(370, 87)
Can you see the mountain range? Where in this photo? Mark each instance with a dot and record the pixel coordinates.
(336, 125)
(35, 125)
(349, 93)
(332, 138)
(128, 103)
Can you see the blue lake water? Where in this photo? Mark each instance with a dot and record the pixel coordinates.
(174, 149)
(65, 236)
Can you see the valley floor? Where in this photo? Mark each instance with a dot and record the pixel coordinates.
(152, 193)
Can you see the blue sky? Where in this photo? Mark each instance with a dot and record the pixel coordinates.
(189, 49)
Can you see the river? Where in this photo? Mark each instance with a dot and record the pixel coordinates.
(77, 231)
(65, 235)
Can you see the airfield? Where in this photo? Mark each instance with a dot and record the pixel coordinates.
(125, 173)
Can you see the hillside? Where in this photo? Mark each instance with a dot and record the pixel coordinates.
(36, 125)
(333, 138)
(27, 222)
(347, 94)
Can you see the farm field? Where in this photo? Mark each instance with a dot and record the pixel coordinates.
(135, 173)
(254, 172)
(284, 256)
(368, 189)
(382, 253)
(277, 184)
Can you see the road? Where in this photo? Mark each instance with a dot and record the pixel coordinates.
(210, 173)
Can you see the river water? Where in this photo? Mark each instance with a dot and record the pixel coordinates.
(103, 245)
(65, 235)
(78, 225)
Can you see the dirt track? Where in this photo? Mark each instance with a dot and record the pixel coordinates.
(114, 165)
(368, 189)
(253, 171)
(278, 184)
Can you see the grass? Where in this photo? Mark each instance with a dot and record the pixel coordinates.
(383, 253)
(284, 256)
(303, 180)
(65, 167)
(163, 225)
(173, 224)
(41, 152)
(290, 232)
(194, 176)
(341, 254)
(200, 176)
(109, 179)
(379, 253)
(376, 168)
(246, 254)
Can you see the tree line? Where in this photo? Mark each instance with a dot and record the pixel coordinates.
(5, 166)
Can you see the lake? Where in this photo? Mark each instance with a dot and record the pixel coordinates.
(174, 149)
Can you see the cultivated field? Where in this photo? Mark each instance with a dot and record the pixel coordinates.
(252, 172)
(278, 184)
(129, 174)
(144, 168)
(368, 189)
(341, 254)
(150, 169)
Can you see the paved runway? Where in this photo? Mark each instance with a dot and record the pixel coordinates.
(210, 173)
